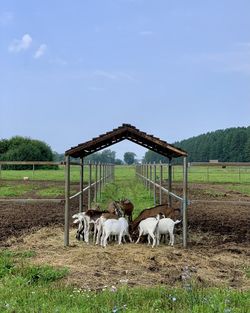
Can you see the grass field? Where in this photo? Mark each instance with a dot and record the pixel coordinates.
(230, 174)
(237, 179)
(28, 288)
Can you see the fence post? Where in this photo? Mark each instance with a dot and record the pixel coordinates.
(67, 200)
(89, 190)
(100, 180)
(184, 207)
(96, 178)
(33, 171)
(160, 191)
(81, 185)
(154, 184)
(170, 181)
(150, 174)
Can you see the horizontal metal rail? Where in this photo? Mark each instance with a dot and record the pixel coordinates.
(222, 201)
(35, 163)
(86, 188)
(239, 164)
(32, 200)
(162, 188)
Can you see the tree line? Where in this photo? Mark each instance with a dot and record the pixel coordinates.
(228, 145)
(20, 148)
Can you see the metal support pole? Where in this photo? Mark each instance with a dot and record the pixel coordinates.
(160, 191)
(33, 171)
(100, 180)
(147, 176)
(67, 201)
(81, 185)
(170, 182)
(113, 171)
(150, 177)
(154, 184)
(184, 205)
(96, 178)
(89, 190)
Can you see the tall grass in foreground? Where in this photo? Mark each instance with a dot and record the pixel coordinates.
(26, 288)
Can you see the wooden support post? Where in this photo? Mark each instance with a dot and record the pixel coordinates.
(89, 190)
(33, 171)
(113, 172)
(169, 181)
(100, 180)
(154, 184)
(160, 191)
(96, 178)
(150, 177)
(184, 206)
(81, 185)
(67, 200)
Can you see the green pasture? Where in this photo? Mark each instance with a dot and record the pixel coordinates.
(213, 174)
(236, 179)
(26, 288)
(132, 189)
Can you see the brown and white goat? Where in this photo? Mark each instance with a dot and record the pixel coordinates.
(162, 209)
(127, 208)
(122, 207)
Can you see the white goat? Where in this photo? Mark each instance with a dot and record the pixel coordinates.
(165, 226)
(114, 227)
(148, 227)
(79, 218)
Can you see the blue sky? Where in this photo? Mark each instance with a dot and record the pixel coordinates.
(71, 70)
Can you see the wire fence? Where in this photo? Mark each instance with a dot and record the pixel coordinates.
(94, 177)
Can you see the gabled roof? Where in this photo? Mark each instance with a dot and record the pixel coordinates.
(126, 131)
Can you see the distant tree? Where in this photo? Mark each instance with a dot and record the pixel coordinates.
(228, 145)
(4, 146)
(129, 157)
(106, 156)
(118, 162)
(24, 149)
(58, 157)
(151, 157)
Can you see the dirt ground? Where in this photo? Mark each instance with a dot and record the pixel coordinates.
(218, 252)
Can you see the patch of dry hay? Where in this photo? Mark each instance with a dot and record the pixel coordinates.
(93, 267)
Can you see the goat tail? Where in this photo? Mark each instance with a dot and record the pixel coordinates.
(177, 222)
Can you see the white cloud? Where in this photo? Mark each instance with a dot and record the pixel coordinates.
(18, 45)
(40, 51)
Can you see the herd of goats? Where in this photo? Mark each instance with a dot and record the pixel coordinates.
(117, 221)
